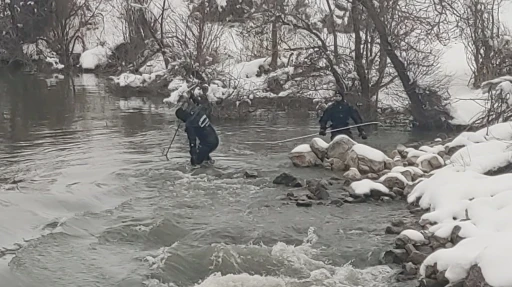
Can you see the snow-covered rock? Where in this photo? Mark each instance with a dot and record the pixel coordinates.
(339, 147)
(430, 162)
(319, 147)
(303, 156)
(366, 159)
(392, 180)
(415, 236)
(365, 187)
(412, 155)
(95, 57)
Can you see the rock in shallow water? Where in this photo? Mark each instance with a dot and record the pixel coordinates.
(318, 188)
(304, 203)
(394, 256)
(319, 148)
(303, 156)
(250, 174)
(287, 179)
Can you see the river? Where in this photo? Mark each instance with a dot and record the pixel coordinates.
(85, 188)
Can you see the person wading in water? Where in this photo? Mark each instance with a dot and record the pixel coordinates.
(198, 127)
(339, 113)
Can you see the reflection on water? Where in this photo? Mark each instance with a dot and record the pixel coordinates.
(82, 175)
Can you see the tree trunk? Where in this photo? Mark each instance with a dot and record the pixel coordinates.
(275, 46)
(424, 119)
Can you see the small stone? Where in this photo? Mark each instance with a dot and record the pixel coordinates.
(394, 256)
(401, 241)
(394, 154)
(441, 278)
(410, 249)
(475, 278)
(337, 202)
(287, 179)
(437, 242)
(372, 176)
(250, 174)
(427, 282)
(416, 210)
(318, 189)
(386, 199)
(303, 203)
(410, 269)
(398, 191)
(383, 173)
(454, 237)
(394, 230)
(403, 277)
(425, 249)
(355, 200)
(449, 245)
(417, 257)
(401, 149)
(352, 174)
(397, 222)
(290, 194)
(430, 271)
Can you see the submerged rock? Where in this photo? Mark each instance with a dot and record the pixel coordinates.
(287, 179)
(318, 188)
(250, 174)
(303, 156)
(394, 256)
(304, 203)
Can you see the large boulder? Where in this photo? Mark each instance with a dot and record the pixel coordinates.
(319, 148)
(430, 162)
(303, 156)
(366, 159)
(339, 147)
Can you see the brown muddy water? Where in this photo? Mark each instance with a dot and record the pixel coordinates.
(85, 189)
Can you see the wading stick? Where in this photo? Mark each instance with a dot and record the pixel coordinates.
(175, 133)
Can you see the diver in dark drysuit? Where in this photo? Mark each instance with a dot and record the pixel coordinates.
(339, 113)
(198, 126)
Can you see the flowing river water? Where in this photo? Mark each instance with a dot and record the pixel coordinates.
(85, 189)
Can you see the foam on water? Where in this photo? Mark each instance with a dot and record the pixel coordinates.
(298, 260)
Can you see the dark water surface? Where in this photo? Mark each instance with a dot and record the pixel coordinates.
(84, 183)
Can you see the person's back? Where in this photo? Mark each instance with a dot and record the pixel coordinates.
(198, 126)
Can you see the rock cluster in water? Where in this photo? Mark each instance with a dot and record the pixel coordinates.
(364, 173)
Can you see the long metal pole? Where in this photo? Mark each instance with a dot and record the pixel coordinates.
(169, 148)
(307, 136)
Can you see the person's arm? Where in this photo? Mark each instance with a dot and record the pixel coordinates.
(324, 119)
(356, 117)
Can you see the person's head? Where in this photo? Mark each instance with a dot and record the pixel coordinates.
(182, 114)
(338, 96)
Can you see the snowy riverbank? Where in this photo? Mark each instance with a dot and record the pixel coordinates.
(461, 187)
